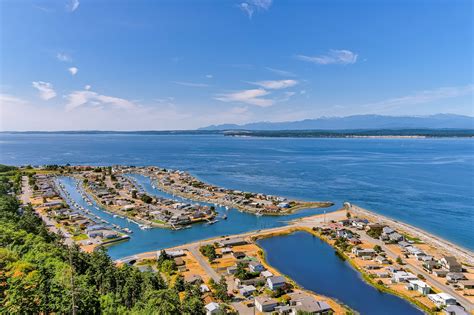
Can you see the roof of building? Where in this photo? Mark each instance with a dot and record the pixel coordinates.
(265, 300)
(213, 306)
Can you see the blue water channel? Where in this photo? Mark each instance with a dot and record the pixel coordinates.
(312, 263)
(159, 238)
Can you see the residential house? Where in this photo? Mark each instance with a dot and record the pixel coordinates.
(247, 290)
(231, 270)
(467, 284)
(455, 276)
(232, 242)
(382, 260)
(238, 255)
(212, 308)
(440, 273)
(403, 276)
(265, 304)
(362, 252)
(442, 299)
(302, 302)
(420, 286)
(454, 310)
(276, 282)
(255, 266)
(266, 274)
(451, 264)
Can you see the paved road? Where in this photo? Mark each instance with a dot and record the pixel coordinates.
(203, 262)
(26, 192)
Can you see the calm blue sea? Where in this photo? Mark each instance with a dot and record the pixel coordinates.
(424, 182)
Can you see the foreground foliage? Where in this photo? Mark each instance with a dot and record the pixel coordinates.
(38, 274)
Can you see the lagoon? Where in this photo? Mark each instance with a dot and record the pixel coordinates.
(312, 263)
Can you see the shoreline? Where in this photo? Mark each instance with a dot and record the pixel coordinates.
(364, 275)
(427, 237)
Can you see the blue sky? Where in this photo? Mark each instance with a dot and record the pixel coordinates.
(135, 65)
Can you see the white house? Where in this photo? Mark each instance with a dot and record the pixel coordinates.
(275, 282)
(442, 299)
(420, 286)
(212, 308)
(266, 274)
(403, 276)
(265, 304)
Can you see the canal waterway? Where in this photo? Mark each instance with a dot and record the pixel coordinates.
(313, 264)
(158, 238)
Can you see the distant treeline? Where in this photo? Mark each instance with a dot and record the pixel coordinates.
(431, 133)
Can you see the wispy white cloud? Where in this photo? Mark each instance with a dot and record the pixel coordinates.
(276, 84)
(87, 87)
(73, 70)
(422, 97)
(10, 99)
(191, 84)
(89, 98)
(334, 56)
(281, 72)
(72, 5)
(45, 89)
(63, 57)
(252, 97)
(209, 76)
(249, 7)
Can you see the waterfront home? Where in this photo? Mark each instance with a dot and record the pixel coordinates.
(173, 253)
(252, 281)
(232, 242)
(442, 299)
(455, 276)
(363, 252)
(284, 205)
(247, 290)
(212, 308)
(302, 302)
(451, 264)
(343, 233)
(403, 276)
(255, 266)
(420, 286)
(454, 310)
(266, 274)
(265, 304)
(276, 282)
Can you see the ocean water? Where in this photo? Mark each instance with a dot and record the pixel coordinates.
(424, 182)
(315, 266)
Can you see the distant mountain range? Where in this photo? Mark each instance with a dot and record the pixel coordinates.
(438, 121)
